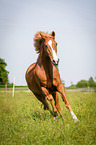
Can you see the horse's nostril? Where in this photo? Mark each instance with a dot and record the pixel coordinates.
(53, 61)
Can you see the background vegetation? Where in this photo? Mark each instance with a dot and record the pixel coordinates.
(3, 72)
(85, 83)
(23, 120)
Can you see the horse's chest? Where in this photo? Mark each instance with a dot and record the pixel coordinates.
(48, 78)
(45, 79)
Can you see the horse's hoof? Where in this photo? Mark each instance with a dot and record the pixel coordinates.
(76, 120)
(55, 117)
(46, 108)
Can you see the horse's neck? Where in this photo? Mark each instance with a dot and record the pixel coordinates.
(46, 64)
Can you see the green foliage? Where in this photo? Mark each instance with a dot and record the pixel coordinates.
(3, 72)
(92, 82)
(71, 87)
(82, 84)
(23, 121)
(9, 85)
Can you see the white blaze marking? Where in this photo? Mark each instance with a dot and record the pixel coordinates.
(53, 51)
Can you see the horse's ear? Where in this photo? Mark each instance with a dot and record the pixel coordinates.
(53, 34)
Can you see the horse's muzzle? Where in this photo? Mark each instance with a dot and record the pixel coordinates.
(55, 62)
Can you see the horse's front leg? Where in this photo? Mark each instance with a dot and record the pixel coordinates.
(61, 90)
(55, 95)
(49, 97)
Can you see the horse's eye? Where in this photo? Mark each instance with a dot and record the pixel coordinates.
(45, 46)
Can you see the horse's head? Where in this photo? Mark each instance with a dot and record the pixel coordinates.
(46, 42)
(50, 47)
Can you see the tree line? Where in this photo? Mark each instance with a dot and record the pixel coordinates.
(85, 83)
(4, 78)
(4, 74)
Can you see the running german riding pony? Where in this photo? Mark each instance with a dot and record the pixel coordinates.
(43, 78)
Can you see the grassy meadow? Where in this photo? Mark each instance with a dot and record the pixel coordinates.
(24, 122)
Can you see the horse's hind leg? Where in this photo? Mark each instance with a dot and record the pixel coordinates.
(42, 99)
(55, 95)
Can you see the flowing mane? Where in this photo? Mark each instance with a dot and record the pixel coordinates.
(38, 40)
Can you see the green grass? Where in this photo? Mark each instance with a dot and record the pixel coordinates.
(24, 122)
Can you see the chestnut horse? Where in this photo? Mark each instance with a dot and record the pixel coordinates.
(43, 78)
